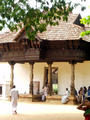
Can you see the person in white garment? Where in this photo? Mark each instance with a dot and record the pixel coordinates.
(65, 98)
(14, 98)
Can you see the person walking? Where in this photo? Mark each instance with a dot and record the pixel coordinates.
(14, 97)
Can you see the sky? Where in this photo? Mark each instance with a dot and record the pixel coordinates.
(77, 10)
(85, 12)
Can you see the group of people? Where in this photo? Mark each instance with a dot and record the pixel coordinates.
(14, 95)
(83, 97)
(82, 94)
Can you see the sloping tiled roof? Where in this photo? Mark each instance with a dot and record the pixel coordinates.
(7, 37)
(64, 31)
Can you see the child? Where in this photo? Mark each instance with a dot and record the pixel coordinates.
(86, 107)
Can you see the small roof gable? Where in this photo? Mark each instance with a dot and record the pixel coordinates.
(72, 18)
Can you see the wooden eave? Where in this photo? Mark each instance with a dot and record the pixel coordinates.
(68, 50)
(44, 51)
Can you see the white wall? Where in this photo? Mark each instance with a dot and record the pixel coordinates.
(39, 73)
(82, 74)
(22, 77)
(64, 76)
(4, 72)
(5, 79)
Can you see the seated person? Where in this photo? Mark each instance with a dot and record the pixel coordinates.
(65, 98)
(44, 93)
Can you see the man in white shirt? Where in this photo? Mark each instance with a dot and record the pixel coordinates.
(14, 97)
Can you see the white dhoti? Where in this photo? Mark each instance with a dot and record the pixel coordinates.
(64, 99)
(14, 98)
(14, 105)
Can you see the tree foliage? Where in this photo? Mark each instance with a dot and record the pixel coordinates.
(86, 21)
(16, 14)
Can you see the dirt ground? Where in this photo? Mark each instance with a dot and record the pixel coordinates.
(40, 111)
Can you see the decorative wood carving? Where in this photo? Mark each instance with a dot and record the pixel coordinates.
(44, 51)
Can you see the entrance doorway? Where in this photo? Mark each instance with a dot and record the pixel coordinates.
(0, 90)
(54, 79)
(36, 87)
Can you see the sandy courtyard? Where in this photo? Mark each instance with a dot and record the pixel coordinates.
(40, 111)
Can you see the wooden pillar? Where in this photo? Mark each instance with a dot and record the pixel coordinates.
(50, 78)
(72, 78)
(31, 78)
(12, 74)
(72, 86)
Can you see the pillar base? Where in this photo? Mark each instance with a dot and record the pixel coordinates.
(73, 100)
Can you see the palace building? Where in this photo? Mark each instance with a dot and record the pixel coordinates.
(58, 58)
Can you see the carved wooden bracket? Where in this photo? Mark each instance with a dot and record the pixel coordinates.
(73, 62)
(31, 63)
(12, 63)
(50, 62)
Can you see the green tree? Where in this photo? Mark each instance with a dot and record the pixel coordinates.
(16, 14)
(86, 21)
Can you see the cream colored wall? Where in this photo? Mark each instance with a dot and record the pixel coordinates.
(64, 76)
(39, 73)
(5, 79)
(22, 75)
(82, 74)
(4, 72)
